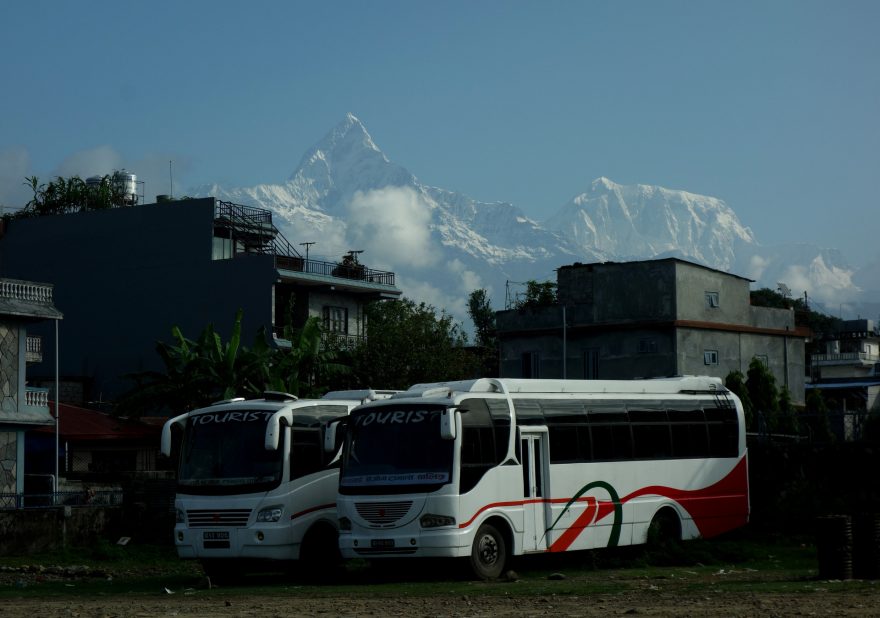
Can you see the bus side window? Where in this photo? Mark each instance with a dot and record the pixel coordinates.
(723, 432)
(306, 452)
(650, 430)
(479, 449)
(689, 437)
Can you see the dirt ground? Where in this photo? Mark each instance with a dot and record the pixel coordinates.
(641, 603)
(681, 595)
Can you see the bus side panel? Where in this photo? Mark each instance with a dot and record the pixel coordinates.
(499, 491)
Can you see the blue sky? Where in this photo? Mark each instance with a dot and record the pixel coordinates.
(771, 105)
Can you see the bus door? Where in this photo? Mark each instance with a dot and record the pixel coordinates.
(534, 447)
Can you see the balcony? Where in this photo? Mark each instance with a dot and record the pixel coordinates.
(859, 359)
(357, 272)
(36, 397)
(33, 350)
(27, 299)
(336, 341)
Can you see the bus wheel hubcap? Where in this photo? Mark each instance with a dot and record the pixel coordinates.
(488, 550)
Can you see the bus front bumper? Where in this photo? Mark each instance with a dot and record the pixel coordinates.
(431, 543)
(260, 543)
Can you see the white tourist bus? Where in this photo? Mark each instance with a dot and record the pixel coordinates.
(257, 480)
(492, 468)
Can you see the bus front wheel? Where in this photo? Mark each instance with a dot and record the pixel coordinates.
(488, 553)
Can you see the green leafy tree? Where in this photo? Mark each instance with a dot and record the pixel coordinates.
(485, 332)
(66, 195)
(736, 383)
(538, 294)
(763, 393)
(817, 416)
(788, 418)
(409, 343)
(305, 369)
(198, 372)
(483, 316)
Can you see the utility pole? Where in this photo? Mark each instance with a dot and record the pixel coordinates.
(306, 245)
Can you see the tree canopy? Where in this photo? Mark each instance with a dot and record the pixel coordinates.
(65, 195)
(200, 371)
(409, 343)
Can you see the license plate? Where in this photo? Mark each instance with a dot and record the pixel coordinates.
(216, 536)
(382, 543)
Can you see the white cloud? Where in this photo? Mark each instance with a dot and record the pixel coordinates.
(757, 265)
(422, 291)
(98, 161)
(470, 280)
(392, 225)
(15, 164)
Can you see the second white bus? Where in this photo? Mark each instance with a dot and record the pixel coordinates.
(257, 480)
(491, 468)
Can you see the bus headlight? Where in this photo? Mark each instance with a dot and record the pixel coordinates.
(270, 514)
(181, 516)
(435, 521)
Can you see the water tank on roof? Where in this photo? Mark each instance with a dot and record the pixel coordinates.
(94, 181)
(127, 184)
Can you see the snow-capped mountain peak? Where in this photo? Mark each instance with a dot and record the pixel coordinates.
(443, 244)
(646, 220)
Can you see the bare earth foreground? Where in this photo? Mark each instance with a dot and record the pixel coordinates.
(681, 592)
(647, 603)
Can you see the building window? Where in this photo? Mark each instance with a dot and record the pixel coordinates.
(710, 357)
(336, 319)
(712, 300)
(647, 346)
(531, 365)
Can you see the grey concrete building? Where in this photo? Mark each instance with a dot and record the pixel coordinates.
(647, 319)
(23, 304)
(127, 275)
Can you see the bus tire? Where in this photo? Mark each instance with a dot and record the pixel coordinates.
(488, 553)
(319, 554)
(665, 529)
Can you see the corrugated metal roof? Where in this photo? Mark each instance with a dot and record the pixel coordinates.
(84, 424)
(834, 385)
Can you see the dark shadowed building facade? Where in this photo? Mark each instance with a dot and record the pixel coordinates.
(128, 275)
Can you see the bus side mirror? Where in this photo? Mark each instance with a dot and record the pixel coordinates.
(447, 424)
(330, 437)
(273, 428)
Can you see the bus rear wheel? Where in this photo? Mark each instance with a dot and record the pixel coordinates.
(488, 553)
(665, 529)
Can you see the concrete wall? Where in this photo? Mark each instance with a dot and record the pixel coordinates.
(614, 292)
(24, 532)
(692, 284)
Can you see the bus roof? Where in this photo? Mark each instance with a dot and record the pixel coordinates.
(660, 386)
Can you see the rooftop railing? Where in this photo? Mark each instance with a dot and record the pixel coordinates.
(335, 269)
(846, 357)
(26, 290)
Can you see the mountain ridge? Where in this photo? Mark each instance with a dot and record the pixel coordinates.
(443, 244)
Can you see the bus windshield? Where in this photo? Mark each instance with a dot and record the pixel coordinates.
(395, 450)
(224, 452)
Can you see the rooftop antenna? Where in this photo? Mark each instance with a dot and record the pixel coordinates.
(306, 245)
(171, 180)
(784, 289)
